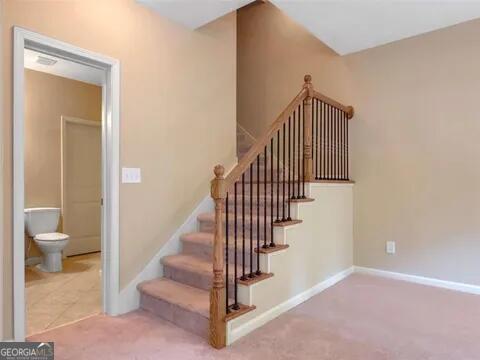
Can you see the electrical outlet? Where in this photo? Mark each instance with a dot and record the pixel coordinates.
(390, 247)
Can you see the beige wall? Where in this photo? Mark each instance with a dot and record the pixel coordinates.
(47, 99)
(274, 54)
(414, 136)
(417, 150)
(178, 100)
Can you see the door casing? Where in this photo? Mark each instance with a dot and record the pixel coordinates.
(22, 39)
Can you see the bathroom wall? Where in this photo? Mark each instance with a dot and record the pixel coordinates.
(47, 98)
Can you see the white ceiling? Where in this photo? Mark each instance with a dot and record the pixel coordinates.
(194, 13)
(64, 68)
(348, 26)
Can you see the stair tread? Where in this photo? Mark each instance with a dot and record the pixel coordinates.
(185, 296)
(210, 216)
(189, 262)
(206, 239)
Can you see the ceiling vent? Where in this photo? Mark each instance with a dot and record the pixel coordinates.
(46, 61)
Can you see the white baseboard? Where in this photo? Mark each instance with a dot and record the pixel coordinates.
(451, 285)
(235, 334)
(129, 298)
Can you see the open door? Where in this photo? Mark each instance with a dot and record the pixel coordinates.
(81, 184)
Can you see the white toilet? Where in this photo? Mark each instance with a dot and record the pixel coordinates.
(41, 224)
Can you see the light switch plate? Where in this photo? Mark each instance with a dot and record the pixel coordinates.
(390, 247)
(131, 175)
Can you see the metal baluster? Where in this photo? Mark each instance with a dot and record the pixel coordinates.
(345, 177)
(265, 200)
(348, 167)
(330, 146)
(278, 177)
(342, 141)
(324, 137)
(226, 253)
(289, 168)
(258, 215)
(252, 274)
(299, 196)
(272, 244)
(317, 161)
(303, 153)
(283, 162)
(243, 228)
(314, 153)
(337, 143)
(293, 154)
(235, 269)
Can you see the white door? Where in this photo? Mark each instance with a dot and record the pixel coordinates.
(81, 184)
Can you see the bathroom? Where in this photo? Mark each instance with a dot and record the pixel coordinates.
(63, 191)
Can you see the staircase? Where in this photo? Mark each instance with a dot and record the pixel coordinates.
(241, 229)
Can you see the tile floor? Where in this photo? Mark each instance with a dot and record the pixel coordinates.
(54, 299)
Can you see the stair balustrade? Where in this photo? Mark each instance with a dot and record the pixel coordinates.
(308, 142)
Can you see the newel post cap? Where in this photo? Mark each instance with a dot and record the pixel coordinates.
(218, 185)
(219, 171)
(308, 85)
(350, 112)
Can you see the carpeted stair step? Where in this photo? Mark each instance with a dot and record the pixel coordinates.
(201, 244)
(192, 270)
(207, 223)
(183, 305)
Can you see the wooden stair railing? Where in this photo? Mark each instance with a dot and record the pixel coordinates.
(307, 142)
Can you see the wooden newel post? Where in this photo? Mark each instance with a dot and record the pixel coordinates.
(307, 129)
(218, 327)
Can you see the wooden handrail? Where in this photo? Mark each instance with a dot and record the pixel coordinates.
(260, 144)
(347, 109)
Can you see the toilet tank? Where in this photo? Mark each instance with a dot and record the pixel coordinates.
(41, 220)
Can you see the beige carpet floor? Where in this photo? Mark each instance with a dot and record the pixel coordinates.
(361, 318)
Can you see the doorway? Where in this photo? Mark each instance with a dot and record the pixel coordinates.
(101, 205)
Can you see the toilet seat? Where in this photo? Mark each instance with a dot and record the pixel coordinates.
(51, 237)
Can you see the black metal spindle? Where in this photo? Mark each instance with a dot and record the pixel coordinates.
(289, 171)
(335, 142)
(235, 268)
(293, 154)
(303, 148)
(314, 155)
(324, 137)
(338, 144)
(317, 155)
(252, 274)
(265, 200)
(244, 277)
(283, 177)
(277, 219)
(330, 147)
(272, 244)
(342, 150)
(258, 215)
(347, 165)
(226, 253)
(345, 120)
(299, 196)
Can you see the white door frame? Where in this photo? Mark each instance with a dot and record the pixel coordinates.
(110, 166)
(65, 120)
